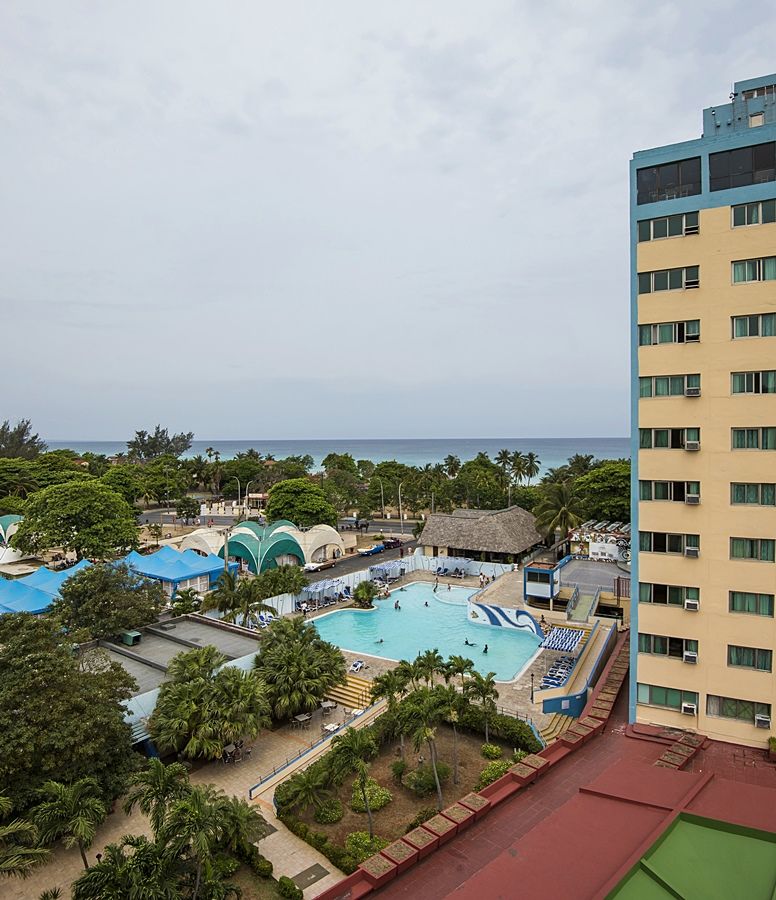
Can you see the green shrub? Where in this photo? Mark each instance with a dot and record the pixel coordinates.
(398, 769)
(378, 796)
(518, 756)
(263, 868)
(492, 772)
(340, 857)
(428, 812)
(287, 889)
(251, 857)
(421, 781)
(317, 839)
(491, 751)
(336, 855)
(512, 731)
(360, 846)
(329, 812)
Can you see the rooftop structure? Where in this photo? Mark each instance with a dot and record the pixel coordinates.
(502, 535)
(34, 593)
(703, 338)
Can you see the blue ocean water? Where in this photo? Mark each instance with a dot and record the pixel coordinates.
(411, 451)
(416, 627)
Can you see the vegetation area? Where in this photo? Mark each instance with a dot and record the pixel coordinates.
(424, 752)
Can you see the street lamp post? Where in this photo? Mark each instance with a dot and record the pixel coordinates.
(532, 687)
(245, 498)
(238, 489)
(401, 517)
(382, 495)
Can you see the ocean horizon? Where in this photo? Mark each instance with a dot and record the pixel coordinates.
(552, 452)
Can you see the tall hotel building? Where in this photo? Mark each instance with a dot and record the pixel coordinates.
(703, 332)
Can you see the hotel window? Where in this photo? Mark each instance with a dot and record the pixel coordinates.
(750, 658)
(748, 270)
(756, 119)
(753, 382)
(765, 90)
(669, 181)
(751, 604)
(662, 542)
(754, 438)
(670, 333)
(761, 325)
(745, 165)
(668, 490)
(668, 226)
(667, 438)
(753, 494)
(761, 549)
(538, 577)
(667, 594)
(658, 645)
(672, 698)
(728, 708)
(667, 385)
(669, 280)
(760, 213)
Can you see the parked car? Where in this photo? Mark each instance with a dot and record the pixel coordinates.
(320, 566)
(372, 551)
(391, 543)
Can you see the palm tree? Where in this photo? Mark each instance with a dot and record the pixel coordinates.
(449, 699)
(71, 812)
(243, 825)
(430, 663)
(504, 461)
(452, 465)
(19, 853)
(307, 788)
(460, 665)
(248, 604)
(134, 869)
(532, 466)
(350, 753)
(559, 509)
(154, 788)
(195, 824)
(51, 894)
(422, 712)
(517, 464)
(411, 672)
(186, 600)
(483, 689)
(391, 685)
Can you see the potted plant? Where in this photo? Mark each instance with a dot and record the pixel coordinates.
(772, 749)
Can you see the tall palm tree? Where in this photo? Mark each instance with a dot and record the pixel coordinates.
(421, 713)
(351, 752)
(449, 699)
(452, 465)
(243, 825)
(532, 465)
(430, 663)
(460, 665)
(483, 689)
(195, 824)
(248, 604)
(392, 686)
(71, 812)
(504, 462)
(154, 788)
(19, 853)
(517, 465)
(411, 672)
(560, 508)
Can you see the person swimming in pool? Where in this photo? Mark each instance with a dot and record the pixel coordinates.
(380, 641)
(426, 603)
(485, 649)
(468, 643)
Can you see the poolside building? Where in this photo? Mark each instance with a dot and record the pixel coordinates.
(500, 535)
(703, 337)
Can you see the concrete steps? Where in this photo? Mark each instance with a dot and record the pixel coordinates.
(555, 727)
(355, 693)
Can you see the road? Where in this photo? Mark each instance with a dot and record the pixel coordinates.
(356, 563)
(375, 526)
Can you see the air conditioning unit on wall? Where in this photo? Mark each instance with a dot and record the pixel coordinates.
(689, 709)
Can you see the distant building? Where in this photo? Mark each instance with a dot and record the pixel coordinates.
(501, 535)
(703, 413)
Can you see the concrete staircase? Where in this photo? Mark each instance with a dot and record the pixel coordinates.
(355, 693)
(557, 724)
(584, 608)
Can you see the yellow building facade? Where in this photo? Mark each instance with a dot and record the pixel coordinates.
(703, 254)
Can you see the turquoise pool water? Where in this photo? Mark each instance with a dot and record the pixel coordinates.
(416, 627)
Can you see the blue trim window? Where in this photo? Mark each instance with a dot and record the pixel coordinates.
(667, 594)
(759, 213)
(668, 181)
(667, 385)
(676, 491)
(659, 645)
(742, 166)
(670, 333)
(671, 698)
(663, 542)
(667, 438)
(669, 280)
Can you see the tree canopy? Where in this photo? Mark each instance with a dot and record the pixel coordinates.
(18, 441)
(302, 502)
(86, 517)
(605, 491)
(145, 446)
(61, 713)
(105, 599)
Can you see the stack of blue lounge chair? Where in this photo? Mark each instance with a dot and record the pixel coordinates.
(559, 673)
(563, 639)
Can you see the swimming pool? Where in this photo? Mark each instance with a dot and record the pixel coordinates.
(416, 627)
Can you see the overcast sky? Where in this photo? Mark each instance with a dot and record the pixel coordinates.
(340, 219)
